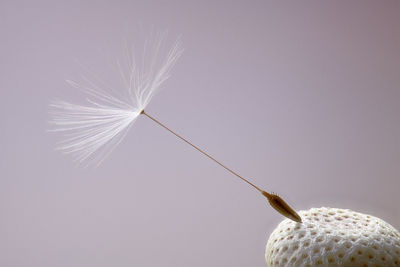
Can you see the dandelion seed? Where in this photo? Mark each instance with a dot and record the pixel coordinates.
(95, 129)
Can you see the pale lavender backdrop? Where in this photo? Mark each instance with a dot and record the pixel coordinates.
(301, 97)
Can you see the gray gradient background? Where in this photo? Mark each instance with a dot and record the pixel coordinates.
(303, 98)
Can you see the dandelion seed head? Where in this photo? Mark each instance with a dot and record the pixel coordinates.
(92, 130)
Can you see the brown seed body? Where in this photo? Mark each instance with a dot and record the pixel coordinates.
(282, 207)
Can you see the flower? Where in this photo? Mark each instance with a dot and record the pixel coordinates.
(93, 130)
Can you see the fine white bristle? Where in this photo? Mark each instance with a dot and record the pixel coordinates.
(93, 130)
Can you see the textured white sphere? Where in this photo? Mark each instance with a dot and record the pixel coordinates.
(334, 237)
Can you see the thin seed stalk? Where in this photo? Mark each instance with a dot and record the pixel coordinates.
(274, 200)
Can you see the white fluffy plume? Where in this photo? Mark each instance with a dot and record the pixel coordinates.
(94, 129)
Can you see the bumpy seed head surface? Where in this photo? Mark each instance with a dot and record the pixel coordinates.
(334, 237)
